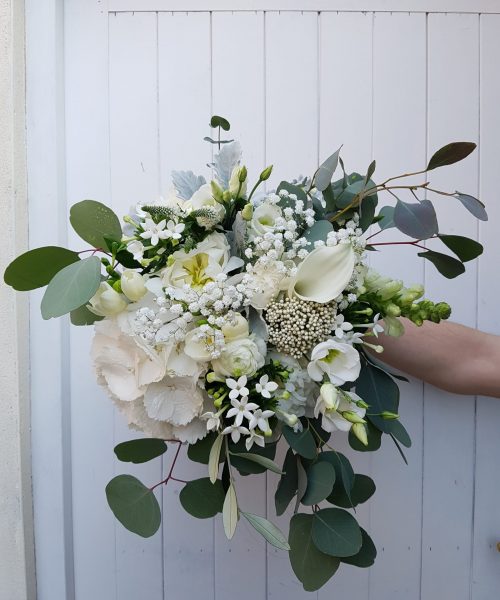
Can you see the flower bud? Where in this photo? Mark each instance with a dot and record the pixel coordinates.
(243, 174)
(444, 310)
(362, 404)
(359, 430)
(388, 415)
(290, 420)
(393, 310)
(268, 433)
(352, 417)
(211, 377)
(226, 196)
(237, 185)
(247, 212)
(218, 402)
(117, 286)
(132, 284)
(216, 191)
(389, 289)
(286, 395)
(329, 395)
(266, 173)
(106, 302)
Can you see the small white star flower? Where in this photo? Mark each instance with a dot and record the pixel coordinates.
(238, 388)
(212, 419)
(341, 326)
(376, 327)
(154, 231)
(241, 409)
(235, 431)
(174, 231)
(259, 419)
(265, 387)
(254, 438)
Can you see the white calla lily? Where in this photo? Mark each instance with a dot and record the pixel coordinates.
(323, 274)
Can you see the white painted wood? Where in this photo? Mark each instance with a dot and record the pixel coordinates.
(280, 77)
(425, 6)
(449, 427)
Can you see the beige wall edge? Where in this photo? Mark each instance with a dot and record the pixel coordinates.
(17, 572)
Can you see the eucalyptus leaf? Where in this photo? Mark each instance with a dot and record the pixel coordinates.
(93, 221)
(318, 232)
(200, 451)
(374, 439)
(450, 154)
(367, 211)
(83, 316)
(72, 287)
(246, 466)
(37, 267)
(230, 512)
(217, 121)
(302, 442)
(418, 220)
(473, 205)
(320, 481)
(134, 505)
(336, 532)
(380, 391)
(201, 498)
(387, 217)
(399, 432)
(447, 265)
(362, 490)
(312, 567)
(344, 474)
(214, 457)
(260, 460)
(366, 555)
(141, 450)
(268, 530)
(291, 189)
(288, 483)
(212, 141)
(301, 482)
(465, 248)
(326, 170)
(187, 183)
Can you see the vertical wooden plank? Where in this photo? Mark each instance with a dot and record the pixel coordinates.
(399, 146)
(133, 133)
(87, 176)
(485, 566)
(238, 94)
(185, 104)
(453, 59)
(291, 41)
(346, 118)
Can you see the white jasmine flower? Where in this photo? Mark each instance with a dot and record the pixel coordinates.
(259, 419)
(154, 231)
(237, 387)
(341, 326)
(265, 387)
(376, 327)
(174, 230)
(107, 302)
(339, 361)
(241, 409)
(235, 431)
(213, 420)
(254, 438)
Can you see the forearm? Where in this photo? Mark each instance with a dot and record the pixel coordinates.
(450, 356)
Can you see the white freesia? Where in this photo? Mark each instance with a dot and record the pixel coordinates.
(264, 218)
(204, 198)
(324, 273)
(123, 365)
(107, 302)
(338, 361)
(133, 285)
(332, 418)
(240, 357)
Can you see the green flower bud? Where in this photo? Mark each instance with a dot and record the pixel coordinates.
(226, 196)
(286, 395)
(266, 173)
(247, 212)
(268, 433)
(329, 395)
(362, 404)
(389, 416)
(352, 417)
(218, 403)
(242, 175)
(117, 286)
(389, 290)
(444, 310)
(359, 430)
(393, 310)
(216, 191)
(211, 377)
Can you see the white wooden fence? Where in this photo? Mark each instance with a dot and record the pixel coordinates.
(118, 96)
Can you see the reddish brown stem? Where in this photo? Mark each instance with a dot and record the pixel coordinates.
(413, 243)
(172, 466)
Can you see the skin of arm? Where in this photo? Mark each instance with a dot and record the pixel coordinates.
(449, 356)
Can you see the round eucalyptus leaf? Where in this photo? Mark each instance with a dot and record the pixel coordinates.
(200, 451)
(312, 567)
(362, 490)
(320, 481)
(217, 121)
(94, 222)
(302, 442)
(83, 316)
(134, 505)
(336, 532)
(318, 232)
(418, 219)
(201, 498)
(71, 287)
(366, 555)
(141, 450)
(37, 267)
(344, 473)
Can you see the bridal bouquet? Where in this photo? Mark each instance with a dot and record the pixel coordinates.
(233, 318)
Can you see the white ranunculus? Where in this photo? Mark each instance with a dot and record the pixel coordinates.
(332, 418)
(124, 366)
(236, 330)
(339, 361)
(107, 302)
(203, 198)
(176, 400)
(132, 284)
(240, 357)
(324, 273)
(264, 218)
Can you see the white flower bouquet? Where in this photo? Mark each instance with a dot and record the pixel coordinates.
(231, 320)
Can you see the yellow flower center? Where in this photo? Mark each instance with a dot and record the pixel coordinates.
(196, 270)
(332, 355)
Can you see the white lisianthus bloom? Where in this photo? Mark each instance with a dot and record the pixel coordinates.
(107, 302)
(333, 419)
(132, 284)
(264, 219)
(338, 361)
(234, 183)
(204, 198)
(123, 365)
(240, 357)
(323, 274)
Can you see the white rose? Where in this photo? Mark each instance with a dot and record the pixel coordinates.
(237, 329)
(132, 284)
(324, 273)
(124, 366)
(107, 302)
(203, 198)
(240, 357)
(264, 218)
(339, 361)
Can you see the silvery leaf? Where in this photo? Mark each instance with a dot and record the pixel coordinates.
(225, 161)
(187, 183)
